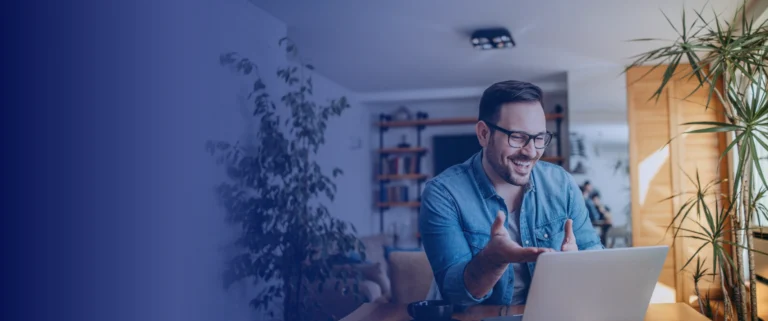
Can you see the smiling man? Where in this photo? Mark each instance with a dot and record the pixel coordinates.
(485, 221)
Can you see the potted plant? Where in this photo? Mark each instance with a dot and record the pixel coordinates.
(275, 193)
(728, 60)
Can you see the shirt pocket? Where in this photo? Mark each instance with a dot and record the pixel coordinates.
(477, 241)
(551, 233)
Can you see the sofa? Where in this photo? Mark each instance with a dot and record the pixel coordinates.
(393, 276)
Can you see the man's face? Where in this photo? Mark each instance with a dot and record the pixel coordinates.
(512, 164)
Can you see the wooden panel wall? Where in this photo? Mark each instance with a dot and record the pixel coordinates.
(658, 170)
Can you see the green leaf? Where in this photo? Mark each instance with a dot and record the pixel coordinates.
(670, 22)
(714, 123)
(258, 85)
(745, 248)
(739, 169)
(668, 73)
(646, 39)
(699, 235)
(722, 129)
(693, 256)
(737, 139)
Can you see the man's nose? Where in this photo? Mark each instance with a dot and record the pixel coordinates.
(529, 150)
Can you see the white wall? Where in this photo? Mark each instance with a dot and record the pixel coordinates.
(597, 97)
(241, 27)
(347, 147)
(406, 218)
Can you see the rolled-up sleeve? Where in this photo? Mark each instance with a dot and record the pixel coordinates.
(445, 245)
(586, 236)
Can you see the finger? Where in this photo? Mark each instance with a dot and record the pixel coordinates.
(534, 253)
(539, 250)
(498, 224)
(569, 237)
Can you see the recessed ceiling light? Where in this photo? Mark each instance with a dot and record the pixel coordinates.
(500, 37)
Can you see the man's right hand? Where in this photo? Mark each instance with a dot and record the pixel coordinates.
(485, 269)
(501, 249)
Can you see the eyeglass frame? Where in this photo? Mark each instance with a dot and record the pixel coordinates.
(530, 137)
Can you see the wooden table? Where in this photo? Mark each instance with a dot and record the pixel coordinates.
(397, 312)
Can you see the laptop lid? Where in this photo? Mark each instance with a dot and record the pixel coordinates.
(600, 285)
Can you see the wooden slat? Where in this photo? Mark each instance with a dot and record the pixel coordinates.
(649, 133)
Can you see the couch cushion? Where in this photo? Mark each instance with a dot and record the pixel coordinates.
(410, 276)
(374, 249)
(375, 272)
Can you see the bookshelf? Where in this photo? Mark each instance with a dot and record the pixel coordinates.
(445, 121)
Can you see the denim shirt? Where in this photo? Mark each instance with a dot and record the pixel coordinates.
(459, 206)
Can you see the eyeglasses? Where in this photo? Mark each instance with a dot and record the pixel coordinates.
(518, 139)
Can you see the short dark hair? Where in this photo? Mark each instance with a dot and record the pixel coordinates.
(505, 92)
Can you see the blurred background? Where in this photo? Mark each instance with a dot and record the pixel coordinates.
(412, 73)
(264, 159)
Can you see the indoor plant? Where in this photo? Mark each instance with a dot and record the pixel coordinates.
(275, 193)
(728, 60)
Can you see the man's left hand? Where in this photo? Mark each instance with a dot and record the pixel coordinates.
(569, 242)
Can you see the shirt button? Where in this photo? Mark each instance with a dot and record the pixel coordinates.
(546, 235)
(527, 242)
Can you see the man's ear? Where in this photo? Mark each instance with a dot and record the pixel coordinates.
(483, 133)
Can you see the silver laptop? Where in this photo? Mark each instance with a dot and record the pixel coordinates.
(601, 285)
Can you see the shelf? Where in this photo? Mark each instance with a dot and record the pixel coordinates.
(398, 150)
(401, 177)
(552, 159)
(428, 122)
(398, 204)
(444, 121)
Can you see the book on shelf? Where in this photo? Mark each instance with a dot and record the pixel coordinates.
(401, 165)
(394, 194)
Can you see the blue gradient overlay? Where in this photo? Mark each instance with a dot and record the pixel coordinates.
(104, 207)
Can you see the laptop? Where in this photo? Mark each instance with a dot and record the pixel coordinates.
(601, 285)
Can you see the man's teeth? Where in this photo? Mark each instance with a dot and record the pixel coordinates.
(521, 163)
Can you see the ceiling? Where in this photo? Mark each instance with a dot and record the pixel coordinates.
(405, 45)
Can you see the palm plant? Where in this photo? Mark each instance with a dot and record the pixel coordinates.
(728, 60)
(704, 304)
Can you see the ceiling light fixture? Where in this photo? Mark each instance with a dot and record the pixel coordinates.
(497, 38)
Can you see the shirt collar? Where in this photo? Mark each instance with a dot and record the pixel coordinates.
(484, 183)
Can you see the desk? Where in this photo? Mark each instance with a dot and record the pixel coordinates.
(397, 312)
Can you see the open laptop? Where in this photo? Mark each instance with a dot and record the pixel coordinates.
(602, 285)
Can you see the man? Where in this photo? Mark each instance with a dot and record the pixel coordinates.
(603, 215)
(484, 222)
(586, 189)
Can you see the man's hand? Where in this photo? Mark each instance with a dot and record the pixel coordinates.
(486, 268)
(569, 242)
(501, 249)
